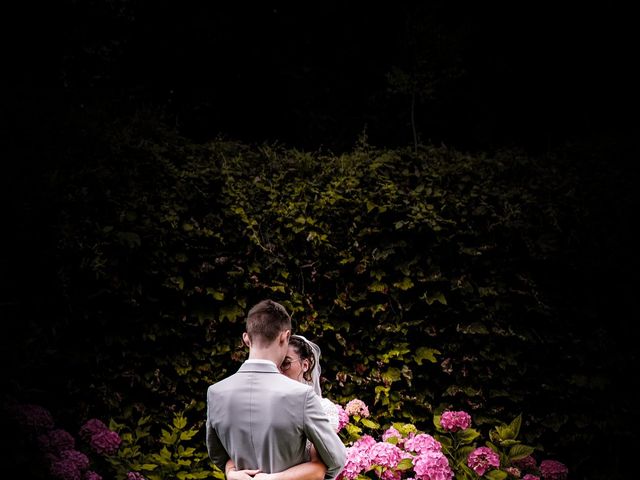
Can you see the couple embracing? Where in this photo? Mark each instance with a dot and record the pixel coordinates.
(268, 421)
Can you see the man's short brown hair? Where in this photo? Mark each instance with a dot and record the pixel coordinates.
(266, 320)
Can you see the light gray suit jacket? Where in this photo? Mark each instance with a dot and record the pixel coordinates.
(262, 419)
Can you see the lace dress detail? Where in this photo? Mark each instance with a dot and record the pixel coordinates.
(331, 410)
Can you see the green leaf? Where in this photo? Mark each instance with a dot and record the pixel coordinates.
(186, 452)
(467, 436)
(495, 475)
(424, 353)
(168, 438)
(216, 294)
(435, 297)
(179, 421)
(368, 423)
(231, 313)
(378, 287)
(405, 284)
(353, 430)
(514, 426)
(391, 375)
(405, 464)
(476, 328)
(520, 451)
(148, 466)
(188, 435)
(144, 420)
(508, 443)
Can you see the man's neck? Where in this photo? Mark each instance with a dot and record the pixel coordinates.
(260, 354)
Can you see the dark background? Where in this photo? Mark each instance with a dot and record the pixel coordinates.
(534, 76)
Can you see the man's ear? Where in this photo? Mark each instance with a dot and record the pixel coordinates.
(246, 340)
(285, 336)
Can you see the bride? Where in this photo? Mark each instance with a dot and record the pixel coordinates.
(302, 363)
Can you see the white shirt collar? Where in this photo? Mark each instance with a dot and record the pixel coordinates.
(260, 360)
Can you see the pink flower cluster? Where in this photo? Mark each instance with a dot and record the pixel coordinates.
(452, 421)
(513, 471)
(56, 441)
(90, 428)
(432, 465)
(548, 469)
(33, 418)
(101, 439)
(135, 476)
(481, 459)
(358, 459)
(427, 460)
(422, 443)
(527, 464)
(391, 432)
(57, 446)
(366, 454)
(357, 407)
(553, 470)
(429, 463)
(343, 417)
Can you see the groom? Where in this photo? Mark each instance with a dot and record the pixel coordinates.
(261, 419)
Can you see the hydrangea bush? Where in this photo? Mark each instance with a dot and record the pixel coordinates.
(455, 450)
(57, 450)
(139, 451)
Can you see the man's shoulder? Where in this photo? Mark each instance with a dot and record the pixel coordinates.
(224, 383)
(268, 380)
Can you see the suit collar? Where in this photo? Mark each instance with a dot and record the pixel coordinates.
(269, 367)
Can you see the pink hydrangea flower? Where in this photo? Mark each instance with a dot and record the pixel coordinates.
(343, 417)
(528, 476)
(422, 443)
(527, 464)
(453, 421)
(513, 471)
(78, 458)
(385, 454)
(357, 461)
(553, 470)
(432, 465)
(90, 428)
(91, 475)
(365, 442)
(33, 418)
(65, 470)
(56, 441)
(481, 459)
(357, 407)
(391, 475)
(135, 476)
(106, 442)
(392, 432)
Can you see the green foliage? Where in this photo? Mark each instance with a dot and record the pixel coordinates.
(176, 452)
(423, 276)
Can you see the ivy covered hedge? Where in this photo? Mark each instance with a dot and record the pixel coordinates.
(431, 280)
